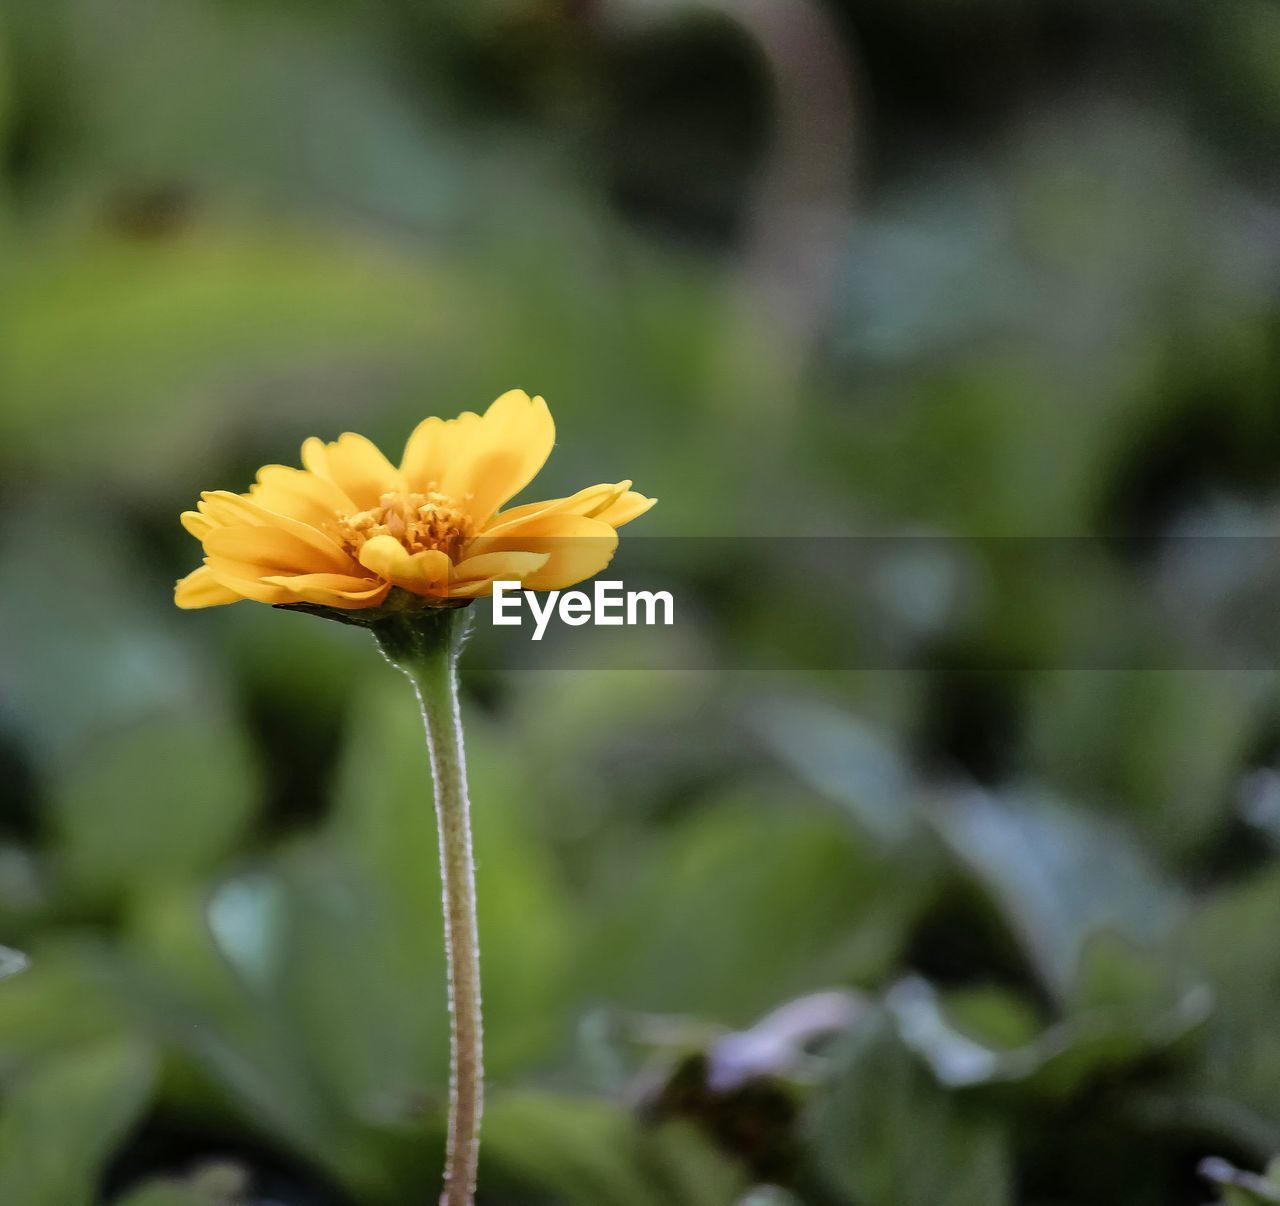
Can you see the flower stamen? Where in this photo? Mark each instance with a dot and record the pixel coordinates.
(418, 521)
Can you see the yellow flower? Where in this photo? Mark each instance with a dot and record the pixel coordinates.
(349, 527)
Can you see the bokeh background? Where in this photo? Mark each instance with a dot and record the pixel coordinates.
(982, 924)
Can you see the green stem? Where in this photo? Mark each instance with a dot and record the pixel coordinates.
(425, 646)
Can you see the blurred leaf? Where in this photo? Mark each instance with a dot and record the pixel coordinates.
(688, 1169)
(588, 1152)
(158, 784)
(61, 1001)
(768, 1195)
(174, 1194)
(1241, 1188)
(358, 1006)
(214, 1185)
(1058, 876)
(605, 748)
(161, 800)
(237, 1041)
(62, 1119)
(1128, 1006)
(156, 326)
(1110, 1035)
(845, 761)
(25, 884)
(1246, 39)
(583, 1151)
(299, 671)
(247, 918)
(887, 1134)
(1233, 939)
(747, 902)
(994, 1015)
(289, 110)
(955, 1058)
(1162, 748)
(1136, 983)
(60, 662)
(170, 1193)
(12, 962)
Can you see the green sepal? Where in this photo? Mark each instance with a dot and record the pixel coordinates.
(399, 605)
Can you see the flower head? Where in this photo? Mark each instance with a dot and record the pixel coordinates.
(350, 528)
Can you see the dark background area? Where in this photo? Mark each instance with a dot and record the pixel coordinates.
(997, 926)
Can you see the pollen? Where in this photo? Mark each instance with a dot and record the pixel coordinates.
(418, 521)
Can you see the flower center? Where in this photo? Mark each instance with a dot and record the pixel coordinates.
(417, 521)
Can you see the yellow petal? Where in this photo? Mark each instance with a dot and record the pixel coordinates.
(246, 581)
(577, 547)
(226, 510)
(416, 572)
(630, 506)
(354, 465)
(301, 495)
(589, 502)
(201, 589)
(433, 447)
(474, 577)
(197, 523)
(273, 550)
(239, 510)
(500, 455)
(332, 590)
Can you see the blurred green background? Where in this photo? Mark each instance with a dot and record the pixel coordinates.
(949, 936)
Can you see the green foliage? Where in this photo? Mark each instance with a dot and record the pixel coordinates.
(1035, 874)
(718, 929)
(1239, 1188)
(586, 1152)
(216, 1185)
(889, 1133)
(63, 1117)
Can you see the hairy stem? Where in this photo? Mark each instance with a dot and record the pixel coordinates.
(425, 646)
